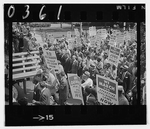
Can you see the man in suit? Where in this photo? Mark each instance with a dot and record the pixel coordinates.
(63, 88)
(127, 80)
(74, 68)
(68, 64)
(80, 67)
(36, 80)
(44, 96)
(93, 71)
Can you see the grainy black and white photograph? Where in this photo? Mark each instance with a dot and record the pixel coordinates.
(74, 63)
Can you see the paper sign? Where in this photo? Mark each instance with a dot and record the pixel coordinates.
(107, 91)
(120, 39)
(92, 41)
(114, 54)
(69, 34)
(92, 31)
(71, 43)
(75, 86)
(77, 33)
(102, 33)
(51, 59)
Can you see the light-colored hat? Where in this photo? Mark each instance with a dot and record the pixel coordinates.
(120, 88)
(86, 73)
(92, 65)
(40, 71)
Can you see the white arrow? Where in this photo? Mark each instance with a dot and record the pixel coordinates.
(39, 117)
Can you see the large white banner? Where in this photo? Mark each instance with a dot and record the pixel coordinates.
(107, 91)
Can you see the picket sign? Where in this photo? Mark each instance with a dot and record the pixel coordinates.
(71, 43)
(107, 90)
(120, 39)
(69, 34)
(114, 55)
(102, 33)
(51, 59)
(112, 40)
(92, 41)
(78, 41)
(25, 65)
(92, 31)
(75, 86)
(76, 31)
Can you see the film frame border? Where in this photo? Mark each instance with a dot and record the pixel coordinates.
(79, 13)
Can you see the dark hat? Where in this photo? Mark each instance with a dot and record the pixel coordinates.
(92, 65)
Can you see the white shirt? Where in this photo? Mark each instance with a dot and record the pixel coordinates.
(88, 82)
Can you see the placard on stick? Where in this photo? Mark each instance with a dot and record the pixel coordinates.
(107, 91)
(114, 55)
(51, 59)
(75, 86)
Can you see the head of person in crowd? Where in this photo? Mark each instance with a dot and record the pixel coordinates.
(92, 66)
(85, 75)
(73, 57)
(45, 46)
(113, 67)
(42, 85)
(38, 76)
(23, 101)
(40, 51)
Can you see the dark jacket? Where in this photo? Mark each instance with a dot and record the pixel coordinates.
(74, 68)
(44, 97)
(93, 75)
(127, 81)
(63, 90)
(80, 69)
(36, 93)
(67, 66)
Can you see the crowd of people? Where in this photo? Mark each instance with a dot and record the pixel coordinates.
(84, 60)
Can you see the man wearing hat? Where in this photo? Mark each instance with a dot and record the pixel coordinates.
(126, 78)
(88, 82)
(44, 95)
(122, 100)
(74, 68)
(36, 80)
(63, 88)
(93, 71)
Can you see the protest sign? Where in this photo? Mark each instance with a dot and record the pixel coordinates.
(112, 40)
(114, 54)
(75, 86)
(102, 33)
(120, 39)
(92, 41)
(107, 91)
(71, 43)
(78, 41)
(51, 59)
(132, 34)
(92, 31)
(69, 34)
(77, 33)
(51, 38)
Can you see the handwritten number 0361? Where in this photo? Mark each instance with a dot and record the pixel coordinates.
(41, 16)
